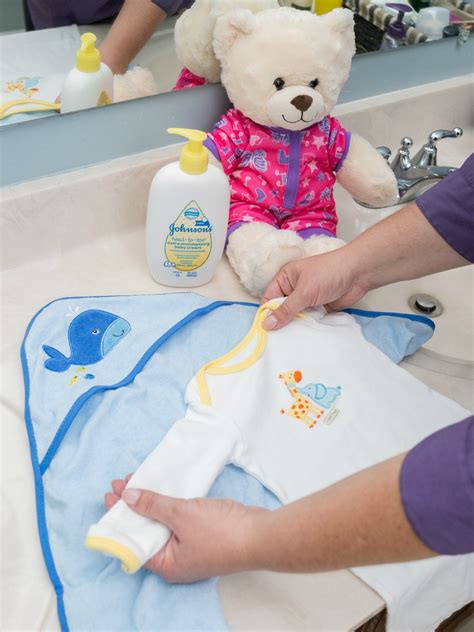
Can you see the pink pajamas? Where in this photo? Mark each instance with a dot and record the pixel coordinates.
(278, 176)
(188, 79)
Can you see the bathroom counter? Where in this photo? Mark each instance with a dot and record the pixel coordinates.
(116, 265)
(82, 233)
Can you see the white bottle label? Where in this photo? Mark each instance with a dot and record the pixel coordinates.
(189, 241)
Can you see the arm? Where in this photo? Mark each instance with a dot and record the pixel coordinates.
(433, 235)
(410, 507)
(366, 175)
(132, 28)
(357, 521)
(403, 246)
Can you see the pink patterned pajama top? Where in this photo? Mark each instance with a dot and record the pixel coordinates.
(281, 177)
(188, 79)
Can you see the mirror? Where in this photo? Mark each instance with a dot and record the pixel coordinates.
(39, 40)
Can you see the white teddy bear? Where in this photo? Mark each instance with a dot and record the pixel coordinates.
(194, 33)
(283, 70)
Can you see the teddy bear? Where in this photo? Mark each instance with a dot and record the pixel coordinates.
(193, 35)
(283, 70)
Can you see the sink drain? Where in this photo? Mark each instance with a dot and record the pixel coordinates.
(426, 305)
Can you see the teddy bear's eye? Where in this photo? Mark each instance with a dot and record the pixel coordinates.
(313, 83)
(278, 83)
(94, 332)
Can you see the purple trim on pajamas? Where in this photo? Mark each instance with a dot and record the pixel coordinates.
(306, 233)
(437, 489)
(346, 151)
(291, 190)
(449, 208)
(210, 144)
(234, 226)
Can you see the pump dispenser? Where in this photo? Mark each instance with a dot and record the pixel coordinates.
(90, 83)
(188, 210)
(395, 36)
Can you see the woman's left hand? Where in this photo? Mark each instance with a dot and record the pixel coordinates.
(210, 537)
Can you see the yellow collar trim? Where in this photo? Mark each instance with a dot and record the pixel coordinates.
(44, 106)
(215, 366)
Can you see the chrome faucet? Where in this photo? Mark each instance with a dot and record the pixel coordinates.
(415, 175)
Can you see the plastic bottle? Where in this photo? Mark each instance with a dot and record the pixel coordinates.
(188, 210)
(432, 21)
(395, 36)
(320, 7)
(90, 83)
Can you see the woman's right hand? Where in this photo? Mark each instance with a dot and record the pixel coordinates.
(330, 279)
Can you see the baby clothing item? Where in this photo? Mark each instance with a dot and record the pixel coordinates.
(299, 408)
(188, 79)
(281, 177)
(33, 67)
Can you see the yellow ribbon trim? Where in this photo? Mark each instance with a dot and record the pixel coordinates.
(214, 367)
(45, 105)
(130, 562)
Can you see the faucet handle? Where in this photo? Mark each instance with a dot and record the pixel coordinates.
(439, 134)
(385, 152)
(406, 144)
(402, 160)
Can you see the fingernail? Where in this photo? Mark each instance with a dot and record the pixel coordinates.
(131, 496)
(270, 322)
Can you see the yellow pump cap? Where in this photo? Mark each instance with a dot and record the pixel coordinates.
(194, 156)
(88, 57)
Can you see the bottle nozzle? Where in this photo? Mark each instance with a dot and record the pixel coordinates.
(88, 57)
(194, 156)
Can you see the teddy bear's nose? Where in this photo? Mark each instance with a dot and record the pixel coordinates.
(302, 102)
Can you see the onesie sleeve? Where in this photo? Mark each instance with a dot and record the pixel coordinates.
(184, 465)
(229, 139)
(437, 489)
(338, 144)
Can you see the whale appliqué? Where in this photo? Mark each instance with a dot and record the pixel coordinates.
(91, 335)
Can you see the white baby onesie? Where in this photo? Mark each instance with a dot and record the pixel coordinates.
(299, 408)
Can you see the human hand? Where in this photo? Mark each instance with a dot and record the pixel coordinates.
(210, 537)
(330, 279)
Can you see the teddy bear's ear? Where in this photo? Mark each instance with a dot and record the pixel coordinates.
(340, 21)
(229, 28)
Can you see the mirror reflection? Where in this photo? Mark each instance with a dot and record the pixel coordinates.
(75, 54)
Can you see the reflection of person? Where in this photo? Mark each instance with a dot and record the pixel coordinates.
(135, 22)
(412, 506)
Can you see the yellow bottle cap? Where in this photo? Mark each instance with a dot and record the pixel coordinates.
(194, 156)
(88, 57)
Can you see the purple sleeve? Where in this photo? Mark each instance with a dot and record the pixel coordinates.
(449, 208)
(437, 489)
(170, 7)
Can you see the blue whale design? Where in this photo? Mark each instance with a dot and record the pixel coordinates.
(324, 396)
(91, 335)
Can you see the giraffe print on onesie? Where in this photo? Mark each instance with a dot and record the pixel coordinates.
(311, 402)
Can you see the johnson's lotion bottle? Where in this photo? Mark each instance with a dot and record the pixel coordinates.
(90, 83)
(188, 209)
